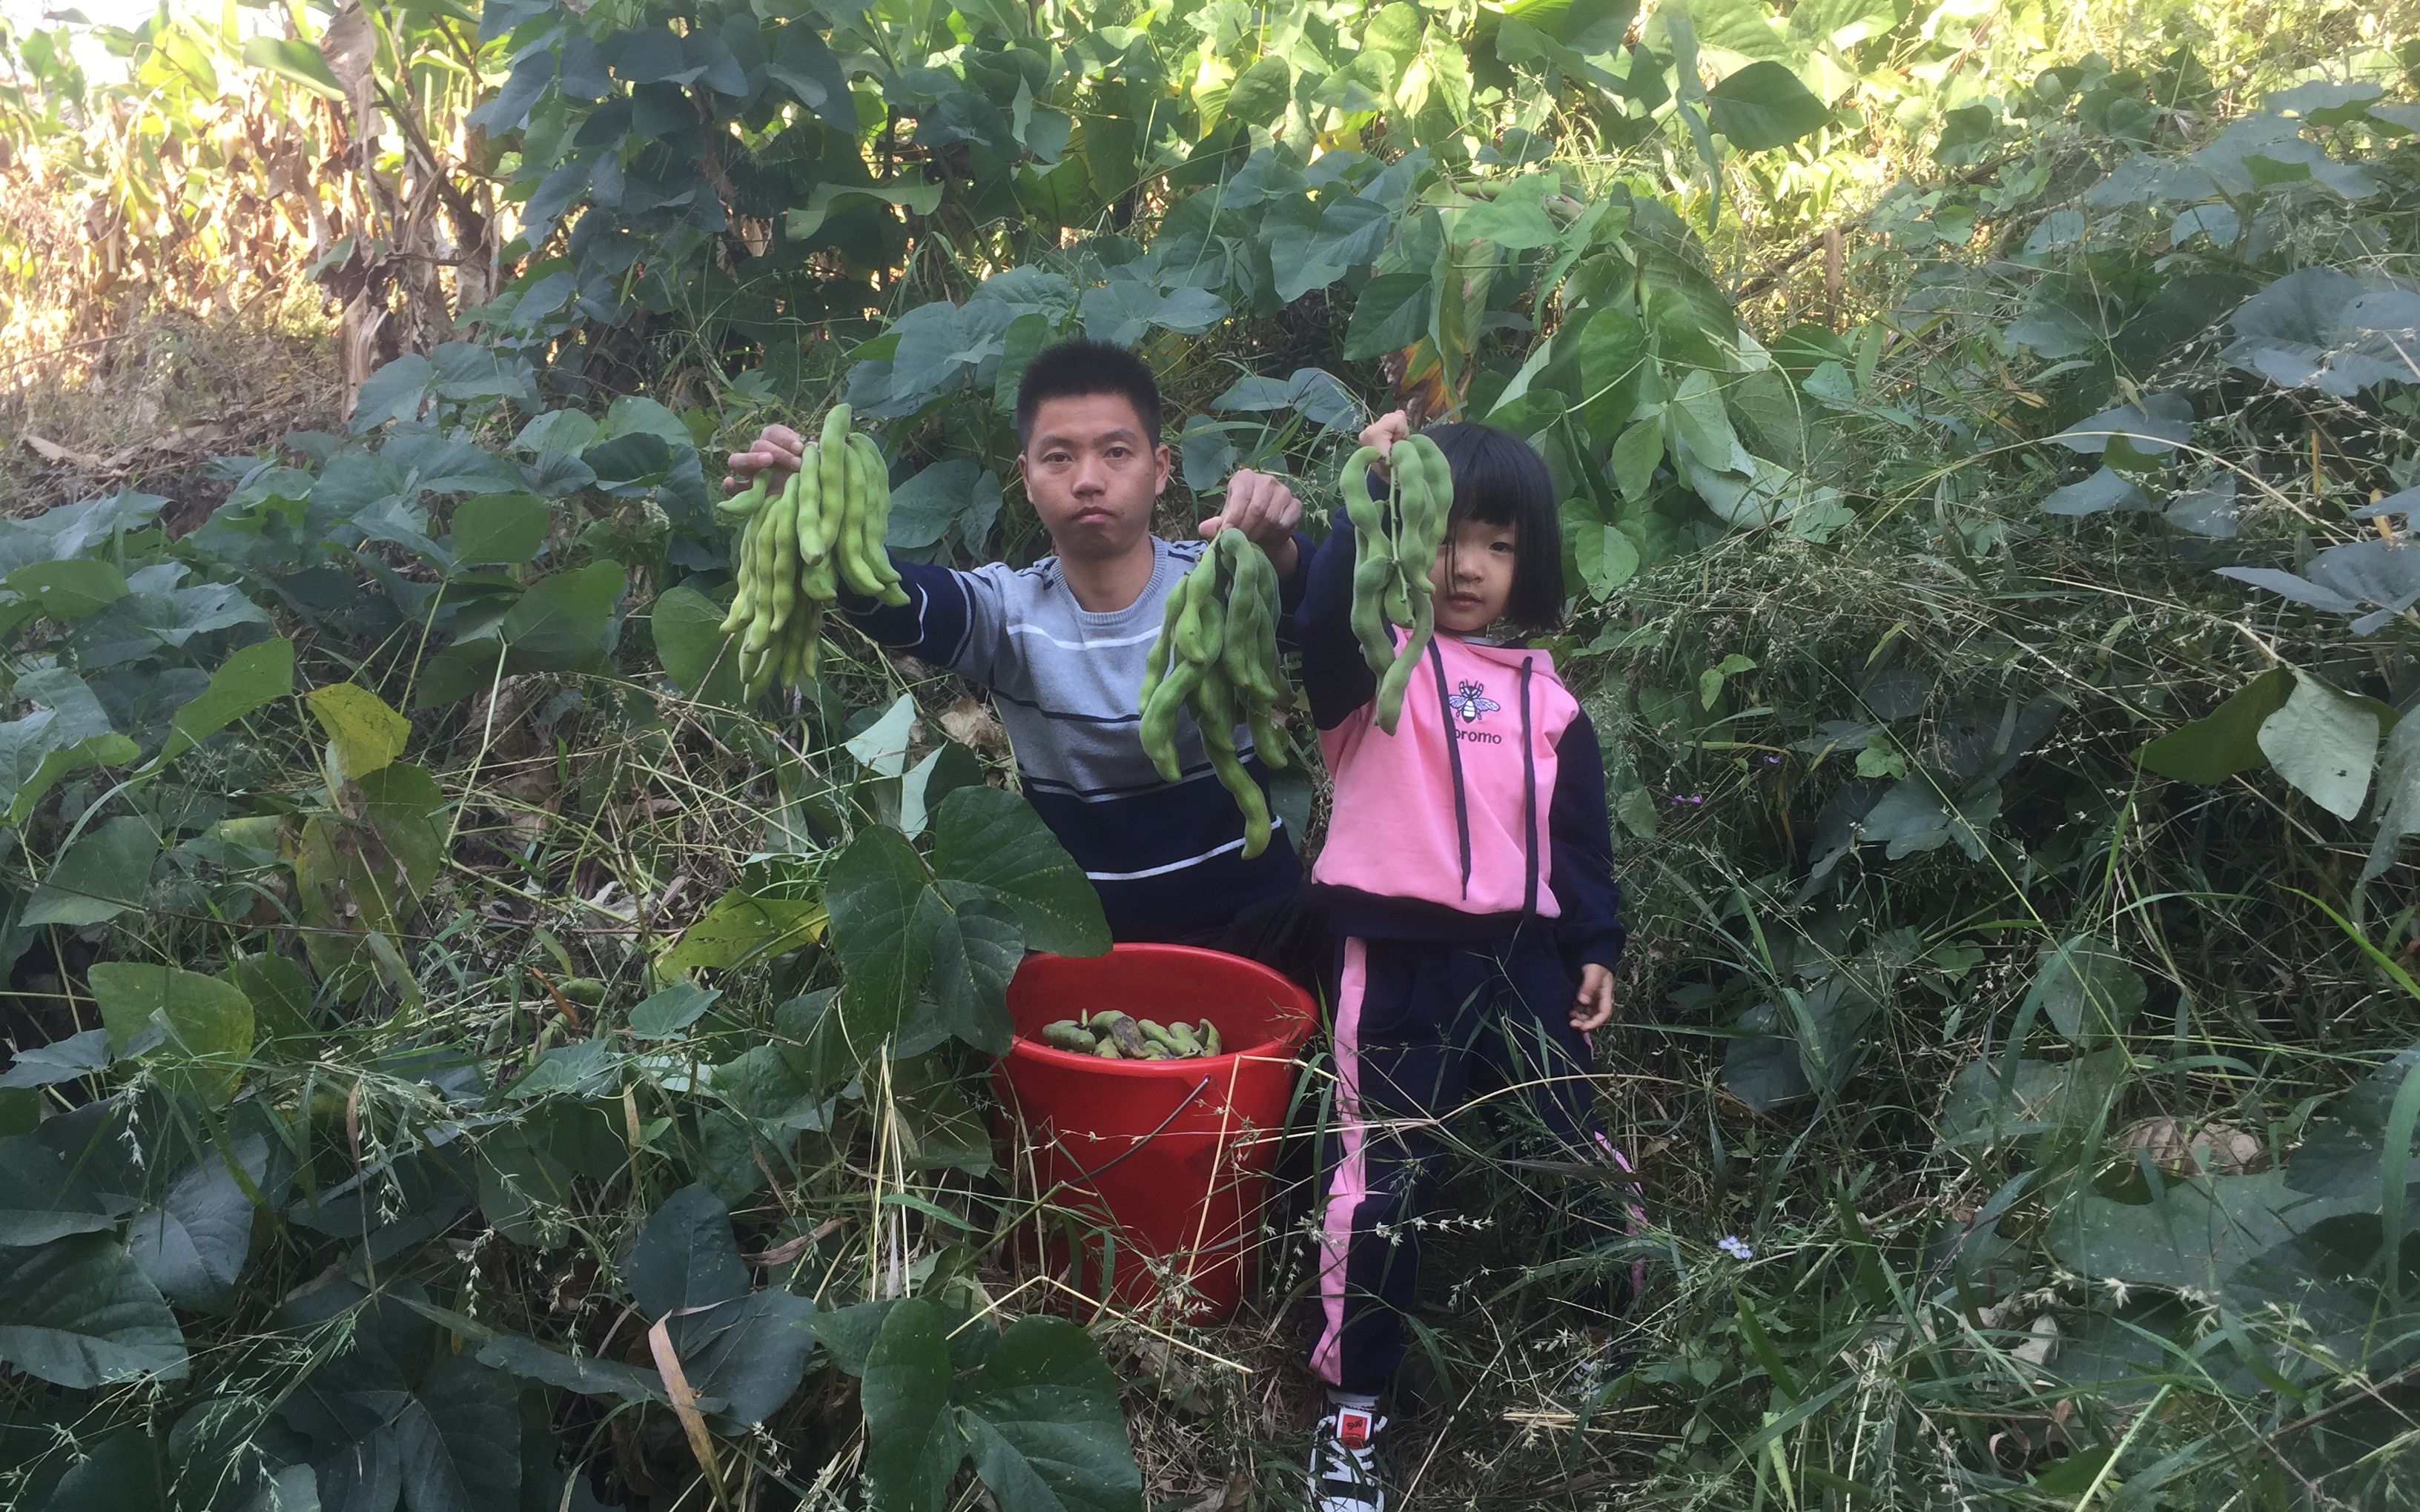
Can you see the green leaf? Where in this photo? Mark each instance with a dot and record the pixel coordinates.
(564, 622)
(1391, 314)
(2087, 990)
(667, 1012)
(2398, 797)
(2324, 744)
(684, 1256)
(69, 589)
(1601, 366)
(741, 928)
(105, 872)
(1043, 1419)
(67, 733)
(259, 674)
(689, 641)
(1634, 459)
(78, 1313)
(1763, 105)
(882, 745)
(874, 891)
(1607, 558)
(1686, 312)
(1697, 418)
(192, 1241)
(279, 991)
(41, 1200)
(69, 1060)
(500, 528)
(913, 1443)
(294, 59)
(395, 392)
(748, 1354)
(204, 1021)
(1515, 219)
(975, 953)
(989, 840)
(367, 733)
(1261, 93)
(2225, 741)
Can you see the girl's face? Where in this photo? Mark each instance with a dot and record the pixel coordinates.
(1473, 575)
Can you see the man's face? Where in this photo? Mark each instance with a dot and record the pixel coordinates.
(1091, 475)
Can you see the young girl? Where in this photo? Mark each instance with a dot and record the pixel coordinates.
(1470, 866)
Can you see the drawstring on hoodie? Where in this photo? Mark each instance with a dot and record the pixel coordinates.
(1453, 760)
(1529, 802)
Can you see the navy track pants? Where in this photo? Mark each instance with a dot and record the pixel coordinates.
(1423, 1030)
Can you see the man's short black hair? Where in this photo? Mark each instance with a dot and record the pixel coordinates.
(1500, 479)
(1078, 369)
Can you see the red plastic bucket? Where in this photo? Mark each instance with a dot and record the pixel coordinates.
(1158, 1170)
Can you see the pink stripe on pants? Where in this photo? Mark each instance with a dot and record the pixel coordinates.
(1351, 1182)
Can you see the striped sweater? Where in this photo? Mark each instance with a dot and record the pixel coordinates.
(1165, 856)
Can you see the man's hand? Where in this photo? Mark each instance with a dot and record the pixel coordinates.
(778, 447)
(1593, 1009)
(1266, 510)
(1384, 432)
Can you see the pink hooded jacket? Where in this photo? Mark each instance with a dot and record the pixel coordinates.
(1451, 809)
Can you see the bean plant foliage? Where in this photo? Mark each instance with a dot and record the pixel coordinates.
(466, 1059)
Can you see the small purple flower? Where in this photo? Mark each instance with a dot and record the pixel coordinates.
(1734, 1246)
(1688, 801)
(1773, 761)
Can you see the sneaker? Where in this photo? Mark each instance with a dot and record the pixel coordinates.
(1345, 1462)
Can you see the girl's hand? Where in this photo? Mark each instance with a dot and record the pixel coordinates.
(1384, 432)
(778, 447)
(1593, 1009)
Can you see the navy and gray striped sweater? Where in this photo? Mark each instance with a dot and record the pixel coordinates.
(1165, 856)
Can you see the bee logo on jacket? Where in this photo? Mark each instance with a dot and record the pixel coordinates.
(1470, 701)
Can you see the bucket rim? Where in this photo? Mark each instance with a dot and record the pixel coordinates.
(1301, 1013)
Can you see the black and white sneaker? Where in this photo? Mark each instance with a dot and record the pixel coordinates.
(1345, 1461)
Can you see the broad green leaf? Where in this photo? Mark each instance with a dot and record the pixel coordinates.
(68, 732)
(280, 992)
(2324, 744)
(1763, 105)
(990, 840)
(564, 622)
(913, 1442)
(1391, 314)
(1688, 315)
(1605, 557)
(69, 1060)
(297, 60)
(1261, 93)
(367, 733)
(123, 1473)
(1634, 459)
(1515, 219)
(741, 928)
(69, 589)
(582, 1374)
(882, 745)
(2225, 741)
(2087, 990)
(395, 392)
(689, 641)
(748, 1354)
(192, 1241)
(78, 1313)
(259, 674)
(41, 1200)
(684, 1256)
(500, 528)
(1696, 420)
(105, 872)
(874, 890)
(1043, 1421)
(206, 1021)
(668, 1012)
(975, 953)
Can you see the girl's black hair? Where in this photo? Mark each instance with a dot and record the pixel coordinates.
(1500, 479)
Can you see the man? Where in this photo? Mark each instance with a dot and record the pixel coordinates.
(1061, 644)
